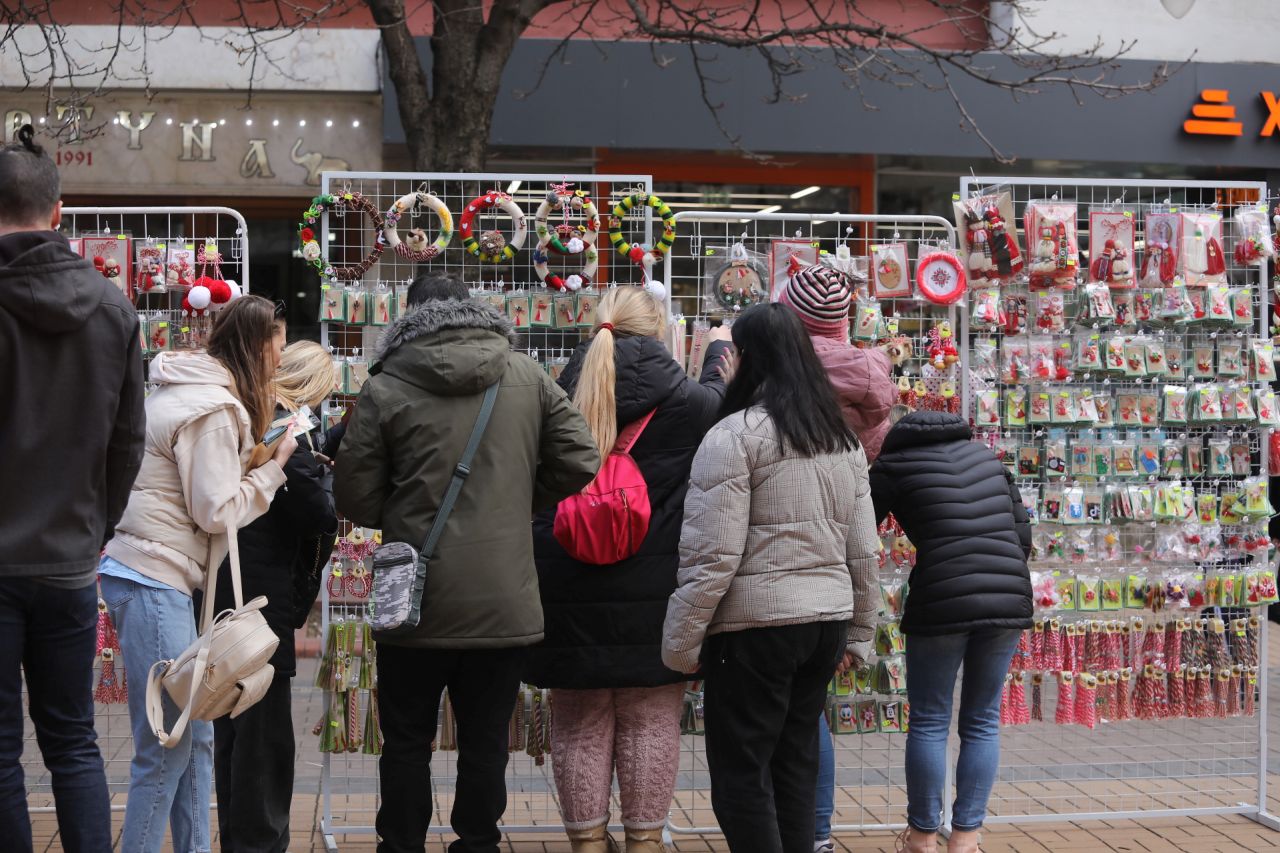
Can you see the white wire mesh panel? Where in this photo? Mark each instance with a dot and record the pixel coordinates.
(350, 779)
(121, 234)
(1134, 767)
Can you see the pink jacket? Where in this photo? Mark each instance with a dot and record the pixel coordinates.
(863, 379)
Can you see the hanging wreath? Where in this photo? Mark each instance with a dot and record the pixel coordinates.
(941, 277)
(738, 284)
(415, 247)
(492, 247)
(646, 258)
(581, 241)
(312, 252)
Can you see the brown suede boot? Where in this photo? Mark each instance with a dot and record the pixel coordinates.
(645, 841)
(594, 840)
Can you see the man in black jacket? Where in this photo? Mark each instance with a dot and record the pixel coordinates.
(71, 440)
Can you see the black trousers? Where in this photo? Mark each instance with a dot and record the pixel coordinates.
(483, 685)
(253, 773)
(764, 689)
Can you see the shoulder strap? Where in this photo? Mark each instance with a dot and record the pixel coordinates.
(628, 437)
(460, 474)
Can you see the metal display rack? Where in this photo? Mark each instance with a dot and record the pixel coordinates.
(349, 780)
(1139, 768)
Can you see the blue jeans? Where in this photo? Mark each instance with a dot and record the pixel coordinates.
(825, 801)
(51, 634)
(172, 786)
(932, 664)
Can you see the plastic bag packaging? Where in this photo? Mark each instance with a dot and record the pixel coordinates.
(1052, 244)
(1111, 242)
(1253, 235)
(989, 245)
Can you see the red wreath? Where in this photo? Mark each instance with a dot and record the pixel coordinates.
(931, 288)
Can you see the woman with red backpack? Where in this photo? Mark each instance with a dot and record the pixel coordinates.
(616, 705)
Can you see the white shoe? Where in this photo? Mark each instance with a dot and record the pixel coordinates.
(824, 846)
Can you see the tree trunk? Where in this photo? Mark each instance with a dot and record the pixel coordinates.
(447, 126)
(408, 78)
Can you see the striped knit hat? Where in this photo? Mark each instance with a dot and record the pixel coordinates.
(821, 296)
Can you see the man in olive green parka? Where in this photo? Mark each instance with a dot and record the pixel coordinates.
(480, 607)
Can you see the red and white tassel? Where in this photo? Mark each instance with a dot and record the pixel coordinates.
(1086, 700)
(1019, 713)
(1066, 712)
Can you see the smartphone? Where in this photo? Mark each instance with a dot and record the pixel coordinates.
(274, 434)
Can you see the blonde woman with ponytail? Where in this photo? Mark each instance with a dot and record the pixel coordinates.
(616, 705)
(282, 556)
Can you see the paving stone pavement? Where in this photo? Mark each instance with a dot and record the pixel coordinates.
(1138, 774)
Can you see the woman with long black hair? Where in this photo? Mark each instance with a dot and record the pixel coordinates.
(777, 559)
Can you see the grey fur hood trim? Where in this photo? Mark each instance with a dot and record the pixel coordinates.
(438, 315)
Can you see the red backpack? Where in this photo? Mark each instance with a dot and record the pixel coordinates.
(606, 523)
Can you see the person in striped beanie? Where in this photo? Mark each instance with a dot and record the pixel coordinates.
(863, 380)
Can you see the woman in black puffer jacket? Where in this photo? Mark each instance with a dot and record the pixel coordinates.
(602, 652)
(969, 601)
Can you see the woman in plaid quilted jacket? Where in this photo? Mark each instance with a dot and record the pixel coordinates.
(777, 561)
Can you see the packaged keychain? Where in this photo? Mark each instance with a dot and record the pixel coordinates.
(1174, 363)
(1051, 312)
(1193, 454)
(984, 359)
(1175, 305)
(1156, 364)
(542, 309)
(1160, 260)
(1064, 406)
(1218, 304)
(1086, 407)
(1124, 455)
(1253, 235)
(333, 304)
(868, 320)
(1230, 358)
(1208, 404)
(890, 278)
(1237, 404)
(1122, 304)
(1145, 307)
(1015, 355)
(1114, 356)
(1175, 404)
(1111, 241)
(1242, 307)
(1097, 305)
(986, 314)
(1202, 362)
(1127, 405)
(1266, 402)
(1082, 457)
(1015, 414)
(988, 409)
(1149, 409)
(1055, 456)
(564, 312)
(1103, 404)
(1041, 407)
(1052, 244)
(1263, 354)
(383, 303)
(1042, 361)
(519, 309)
(1135, 358)
(357, 306)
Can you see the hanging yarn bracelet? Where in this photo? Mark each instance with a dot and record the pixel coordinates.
(582, 241)
(313, 253)
(491, 247)
(414, 246)
(638, 254)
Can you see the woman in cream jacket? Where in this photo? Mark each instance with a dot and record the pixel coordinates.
(777, 561)
(203, 421)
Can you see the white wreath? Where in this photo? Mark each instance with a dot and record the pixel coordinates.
(590, 238)
(415, 247)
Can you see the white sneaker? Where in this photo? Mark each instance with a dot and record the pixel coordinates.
(824, 846)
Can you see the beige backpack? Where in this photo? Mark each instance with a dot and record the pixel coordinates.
(226, 669)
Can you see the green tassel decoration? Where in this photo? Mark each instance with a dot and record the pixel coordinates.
(331, 736)
(372, 727)
(324, 675)
(368, 660)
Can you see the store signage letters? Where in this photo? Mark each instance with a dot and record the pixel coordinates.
(1214, 115)
(204, 141)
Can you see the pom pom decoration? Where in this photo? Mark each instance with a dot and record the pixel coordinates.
(560, 198)
(236, 290)
(415, 246)
(492, 247)
(640, 255)
(657, 289)
(198, 298)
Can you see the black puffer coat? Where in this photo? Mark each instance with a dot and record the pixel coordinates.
(604, 623)
(283, 554)
(965, 517)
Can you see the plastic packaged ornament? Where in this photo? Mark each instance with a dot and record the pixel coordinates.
(990, 249)
(738, 283)
(1111, 240)
(1254, 241)
(1052, 245)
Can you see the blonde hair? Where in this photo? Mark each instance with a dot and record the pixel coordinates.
(623, 312)
(305, 376)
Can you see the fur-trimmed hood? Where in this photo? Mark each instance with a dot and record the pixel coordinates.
(438, 315)
(450, 347)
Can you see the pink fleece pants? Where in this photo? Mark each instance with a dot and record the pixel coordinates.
(636, 731)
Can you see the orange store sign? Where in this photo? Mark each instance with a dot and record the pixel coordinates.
(1214, 115)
